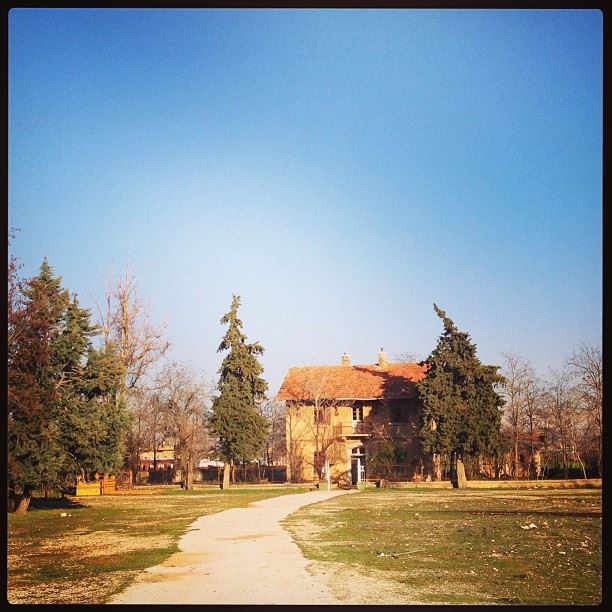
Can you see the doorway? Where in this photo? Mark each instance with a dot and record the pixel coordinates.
(358, 462)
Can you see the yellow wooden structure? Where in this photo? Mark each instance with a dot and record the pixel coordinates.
(103, 485)
(108, 485)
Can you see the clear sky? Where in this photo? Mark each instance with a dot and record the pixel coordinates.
(340, 170)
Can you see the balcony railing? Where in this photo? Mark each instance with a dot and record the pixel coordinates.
(359, 428)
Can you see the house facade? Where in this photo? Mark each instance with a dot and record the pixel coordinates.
(158, 459)
(355, 422)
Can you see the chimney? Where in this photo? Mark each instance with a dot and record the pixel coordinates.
(346, 360)
(382, 359)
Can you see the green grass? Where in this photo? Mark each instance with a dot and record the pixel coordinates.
(465, 546)
(103, 542)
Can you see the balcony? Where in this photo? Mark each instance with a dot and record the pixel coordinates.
(359, 429)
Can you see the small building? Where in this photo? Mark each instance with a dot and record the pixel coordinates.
(355, 421)
(160, 459)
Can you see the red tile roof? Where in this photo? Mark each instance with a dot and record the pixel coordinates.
(395, 381)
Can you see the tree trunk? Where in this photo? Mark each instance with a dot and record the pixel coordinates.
(453, 470)
(226, 476)
(532, 469)
(24, 502)
(457, 475)
(437, 466)
(515, 460)
(190, 477)
(461, 479)
(577, 455)
(600, 456)
(583, 468)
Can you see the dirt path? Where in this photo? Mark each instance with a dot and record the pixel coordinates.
(239, 556)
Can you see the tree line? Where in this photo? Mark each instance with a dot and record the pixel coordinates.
(87, 398)
(553, 426)
(521, 425)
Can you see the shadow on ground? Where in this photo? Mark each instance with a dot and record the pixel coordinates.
(40, 503)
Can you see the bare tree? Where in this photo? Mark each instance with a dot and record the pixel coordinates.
(519, 378)
(313, 439)
(276, 444)
(577, 427)
(136, 439)
(561, 403)
(182, 399)
(14, 312)
(125, 322)
(586, 363)
(157, 426)
(533, 419)
(297, 439)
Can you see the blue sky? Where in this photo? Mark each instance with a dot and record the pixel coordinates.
(340, 170)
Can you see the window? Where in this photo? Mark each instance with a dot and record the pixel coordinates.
(357, 413)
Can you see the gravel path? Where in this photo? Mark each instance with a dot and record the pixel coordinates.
(238, 556)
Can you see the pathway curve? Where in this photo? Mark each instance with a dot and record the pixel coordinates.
(238, 556)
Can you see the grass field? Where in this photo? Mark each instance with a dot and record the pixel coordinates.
(494, 546)
(101, 543)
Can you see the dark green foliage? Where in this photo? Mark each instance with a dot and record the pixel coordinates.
(461, 412)
(235, 419)
(64, 415)
(34, 453)
(95, 416)
(388, 454)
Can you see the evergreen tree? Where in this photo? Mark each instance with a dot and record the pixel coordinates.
(34, 452)
(461, 414)
(63, 414)
(94, 419)
(235, 419)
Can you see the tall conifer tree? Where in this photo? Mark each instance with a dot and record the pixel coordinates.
(461, 414)
(63, 414)
(235, 419)
(34, 452)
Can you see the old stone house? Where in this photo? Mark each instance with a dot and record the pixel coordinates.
(355, 421)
